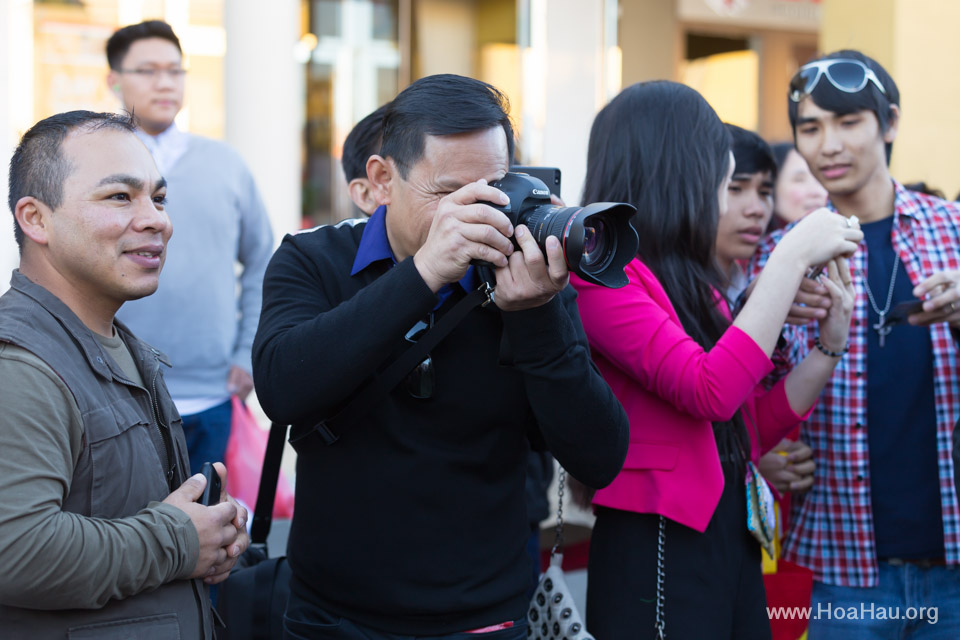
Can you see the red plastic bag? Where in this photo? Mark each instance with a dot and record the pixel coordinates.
(244, 460)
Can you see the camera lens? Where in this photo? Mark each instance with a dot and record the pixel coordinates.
(599, 244)
(589, 236)
(546, 220)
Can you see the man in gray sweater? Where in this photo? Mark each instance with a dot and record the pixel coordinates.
(196, 316)
(100, 534)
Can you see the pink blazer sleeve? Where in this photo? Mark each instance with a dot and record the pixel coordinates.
(771, 417)
(637, 329)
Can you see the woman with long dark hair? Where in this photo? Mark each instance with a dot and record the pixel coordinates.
(671, 547)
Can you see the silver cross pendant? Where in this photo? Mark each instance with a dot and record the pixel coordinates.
(882, 329)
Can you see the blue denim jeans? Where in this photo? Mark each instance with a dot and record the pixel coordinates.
(910, 602)
(206, 434)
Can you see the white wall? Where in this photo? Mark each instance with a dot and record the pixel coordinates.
(445, 36)
(264, 102)
(564, 86)
(16, 110)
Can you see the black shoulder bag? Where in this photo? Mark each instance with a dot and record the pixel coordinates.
(252, 600)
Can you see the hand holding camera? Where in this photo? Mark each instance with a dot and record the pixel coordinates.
(476, 224)
(464, 229)
(533, 276)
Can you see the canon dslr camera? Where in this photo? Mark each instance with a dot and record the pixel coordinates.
(598, 239)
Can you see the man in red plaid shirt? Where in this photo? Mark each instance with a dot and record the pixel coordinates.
(880, 528)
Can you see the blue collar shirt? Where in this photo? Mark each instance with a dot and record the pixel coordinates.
(375, 246)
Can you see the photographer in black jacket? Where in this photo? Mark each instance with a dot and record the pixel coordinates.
(414, 521)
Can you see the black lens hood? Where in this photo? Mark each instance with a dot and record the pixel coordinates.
(617, 216)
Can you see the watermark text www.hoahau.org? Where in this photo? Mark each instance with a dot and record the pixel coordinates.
(866, 611)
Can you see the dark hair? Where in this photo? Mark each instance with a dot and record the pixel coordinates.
(120, 42)
(924, 188)
(828, 97)
(440, 105)
(362, 142)
(751, 153)
(38, 168)
(660, 146)
(780, 152)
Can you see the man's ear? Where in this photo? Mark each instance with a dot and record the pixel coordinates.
(893, 124)
(381, 173)
(33, 217)
(361, 192)
(113, 82)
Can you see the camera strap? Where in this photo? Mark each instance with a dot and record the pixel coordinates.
(267, 491)
(382, 384)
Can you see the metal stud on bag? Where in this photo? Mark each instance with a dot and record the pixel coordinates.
(552, 614)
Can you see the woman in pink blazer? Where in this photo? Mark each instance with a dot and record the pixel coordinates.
(688, 377)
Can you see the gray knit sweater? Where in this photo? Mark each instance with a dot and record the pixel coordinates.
(203, 315)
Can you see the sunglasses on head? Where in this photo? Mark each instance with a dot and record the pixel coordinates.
(849, 76)
(421, 381)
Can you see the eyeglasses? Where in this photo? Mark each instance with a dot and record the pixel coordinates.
(849, 76)
(150, 73)
(421, 381)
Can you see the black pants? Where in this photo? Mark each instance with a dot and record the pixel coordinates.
(303, 621)
(713, 581)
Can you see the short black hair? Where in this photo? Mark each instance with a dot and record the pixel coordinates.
(439, 105)
(120, 42)
(780, 152)
(751, 153)
(38, 168)
(828, 97)
(362, 142)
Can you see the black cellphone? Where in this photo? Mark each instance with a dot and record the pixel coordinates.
(211, 493)
(901, 311)
(549, 175)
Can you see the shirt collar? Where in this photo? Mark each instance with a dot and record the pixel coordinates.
(908, 203)
(79, 332)
(165, 147)
(375, 246)
(905, 203)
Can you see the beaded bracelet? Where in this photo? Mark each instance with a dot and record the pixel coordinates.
(832, 354)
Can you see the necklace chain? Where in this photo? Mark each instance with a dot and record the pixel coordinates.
(893, 280)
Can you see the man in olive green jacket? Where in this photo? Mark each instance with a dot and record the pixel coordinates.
(100, 532)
